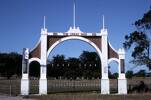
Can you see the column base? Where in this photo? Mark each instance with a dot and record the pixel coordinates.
(105, 86)
(43, 86)
(122, 86)
(24, 86)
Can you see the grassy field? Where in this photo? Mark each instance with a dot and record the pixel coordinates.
(90, 96)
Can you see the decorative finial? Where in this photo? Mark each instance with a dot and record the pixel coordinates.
(74, 14)
(103, 23)
(44, 23)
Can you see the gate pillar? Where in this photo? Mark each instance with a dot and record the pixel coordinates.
(122, 82)
(43, 79)
(105, 79)
(25, 68)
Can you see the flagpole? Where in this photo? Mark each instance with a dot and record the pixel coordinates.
(74, 14)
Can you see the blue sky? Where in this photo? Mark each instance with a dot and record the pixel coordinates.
(22, 20)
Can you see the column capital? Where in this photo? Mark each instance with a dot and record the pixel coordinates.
(24, 76)
(25, 53)
(121, 76)
(44, 31)
(121, 53)
(104, 32)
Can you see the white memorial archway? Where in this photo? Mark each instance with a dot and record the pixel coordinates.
(48, 41)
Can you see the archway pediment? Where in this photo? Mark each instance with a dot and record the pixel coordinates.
(56, 37)
(74, 38)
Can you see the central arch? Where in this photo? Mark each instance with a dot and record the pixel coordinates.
(75, 38)
(80, 83)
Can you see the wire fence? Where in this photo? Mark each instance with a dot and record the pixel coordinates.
(79, 85)
(12, 86)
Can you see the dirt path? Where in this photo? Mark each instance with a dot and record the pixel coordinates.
(4, 97)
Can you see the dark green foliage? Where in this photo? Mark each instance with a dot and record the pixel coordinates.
(113, 76)
(91, 63)
(86, 66)
(10, 64)
(141, 73)
(145, 22)
(140, 41)
(55, 68)
(129, 74)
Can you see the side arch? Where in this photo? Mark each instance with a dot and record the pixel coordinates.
(113, 59)
(117, 61)
(34, 75)
(76, 38)
(34, 59)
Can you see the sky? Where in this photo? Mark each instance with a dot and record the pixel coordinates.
(21, 22)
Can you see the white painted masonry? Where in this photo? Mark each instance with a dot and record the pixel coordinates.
(43, 69)
(25, 80)
(76, 34)
(105, 80)
(74, 38)
(122, 82)
(73, 33)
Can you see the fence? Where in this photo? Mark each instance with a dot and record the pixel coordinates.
(63, 85)
(66, 85)
(12, 86)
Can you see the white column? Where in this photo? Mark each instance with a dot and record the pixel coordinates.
(122, 82)
(43, 72)
(25, 67)
(43, 81)
(24, 85)
(105, 80)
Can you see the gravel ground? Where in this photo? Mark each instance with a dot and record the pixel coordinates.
(79, 96)
(2, 97)
(5, 97)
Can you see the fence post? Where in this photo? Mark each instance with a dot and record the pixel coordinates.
(10, 88)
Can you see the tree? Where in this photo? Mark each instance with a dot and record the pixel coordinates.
(87, 66)
(87, 56)
(10, 64)
(73, 70)
(91, 64)
(141, 73)
(56, 66)
(140, 41)
(115, 75)
(129, 74)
